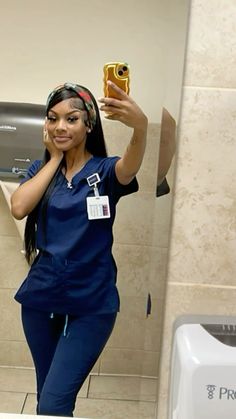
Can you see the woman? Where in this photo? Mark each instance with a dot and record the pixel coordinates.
(69, 298)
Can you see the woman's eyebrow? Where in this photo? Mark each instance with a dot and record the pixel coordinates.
(68, 113)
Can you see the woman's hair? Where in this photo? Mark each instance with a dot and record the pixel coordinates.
(95, 145)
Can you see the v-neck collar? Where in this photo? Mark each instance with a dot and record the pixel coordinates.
(87, 170)
(80, 173)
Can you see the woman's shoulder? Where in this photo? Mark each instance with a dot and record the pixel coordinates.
(105, 161)
(37, 163)
(104, 165)
(33, 168)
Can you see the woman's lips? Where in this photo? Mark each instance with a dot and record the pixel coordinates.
(61, 139)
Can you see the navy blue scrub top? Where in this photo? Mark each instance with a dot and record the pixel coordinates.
(75, 272)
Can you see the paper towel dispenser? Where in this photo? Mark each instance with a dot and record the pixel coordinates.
(21, 137)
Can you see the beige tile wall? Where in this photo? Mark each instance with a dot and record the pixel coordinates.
(202, 264)
(13, 268)
(135, 344)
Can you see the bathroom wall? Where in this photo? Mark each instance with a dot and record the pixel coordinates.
(12, 269)
(43, 45)
(202, 265)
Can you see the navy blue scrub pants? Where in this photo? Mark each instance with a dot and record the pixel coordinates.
(64, 350)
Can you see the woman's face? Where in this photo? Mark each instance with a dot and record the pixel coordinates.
(65, 125)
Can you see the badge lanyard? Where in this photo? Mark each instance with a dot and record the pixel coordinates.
(98, 205)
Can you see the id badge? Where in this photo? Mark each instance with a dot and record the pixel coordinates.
(98, 207)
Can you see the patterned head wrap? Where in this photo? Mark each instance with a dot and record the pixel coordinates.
(83, 94)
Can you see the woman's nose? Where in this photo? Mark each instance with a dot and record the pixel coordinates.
(61, 124)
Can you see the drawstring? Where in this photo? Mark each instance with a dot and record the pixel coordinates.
(65, 326)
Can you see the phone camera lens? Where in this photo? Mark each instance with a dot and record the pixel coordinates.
(120, 72)
(125, 68)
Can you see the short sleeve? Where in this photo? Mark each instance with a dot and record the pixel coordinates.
(33, 169)
(162, 189)
(117, 189)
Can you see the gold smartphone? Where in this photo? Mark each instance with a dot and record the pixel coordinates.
(118, 73)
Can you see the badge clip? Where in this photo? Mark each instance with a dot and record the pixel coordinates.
(93, 180)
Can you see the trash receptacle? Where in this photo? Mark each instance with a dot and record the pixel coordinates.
(203, 371)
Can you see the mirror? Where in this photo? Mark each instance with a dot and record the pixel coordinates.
(45, 45)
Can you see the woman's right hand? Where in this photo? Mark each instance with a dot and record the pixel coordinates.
(50, 146)
(27, 195)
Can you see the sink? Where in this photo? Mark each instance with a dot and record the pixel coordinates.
(8, 188)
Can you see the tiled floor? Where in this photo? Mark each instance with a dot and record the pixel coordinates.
(101, 397)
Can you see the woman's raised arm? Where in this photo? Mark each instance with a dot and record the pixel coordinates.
(129, 113)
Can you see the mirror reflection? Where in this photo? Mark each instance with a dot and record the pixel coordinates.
(167, 149)
(76, 44)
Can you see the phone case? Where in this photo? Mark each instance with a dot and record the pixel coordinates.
(118, 73)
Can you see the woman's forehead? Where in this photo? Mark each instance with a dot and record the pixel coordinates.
(66, 105)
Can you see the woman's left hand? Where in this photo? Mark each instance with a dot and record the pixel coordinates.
(123, 109)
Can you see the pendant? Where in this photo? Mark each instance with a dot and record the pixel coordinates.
(69, 185)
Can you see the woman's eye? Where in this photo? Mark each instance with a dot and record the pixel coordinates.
(51, 118)
(73, 119)
(70, 119)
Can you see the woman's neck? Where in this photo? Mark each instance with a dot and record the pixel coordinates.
(75, 163)
(75, 160)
